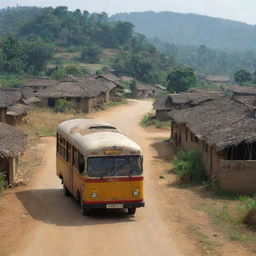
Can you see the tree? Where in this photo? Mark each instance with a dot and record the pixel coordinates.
(38, 53)
(181, 79)
(123, 32)
(133, 86)
(91, 54)
(243, 76)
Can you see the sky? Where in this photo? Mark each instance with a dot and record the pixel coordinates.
(239, 10)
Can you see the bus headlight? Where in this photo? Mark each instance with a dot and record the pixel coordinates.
(136, 192)
(93, 195)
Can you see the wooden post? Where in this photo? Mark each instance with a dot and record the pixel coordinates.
(11, 173)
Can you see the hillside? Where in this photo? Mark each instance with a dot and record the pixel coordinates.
(193, 30)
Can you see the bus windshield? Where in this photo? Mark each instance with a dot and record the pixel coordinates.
(114, 166)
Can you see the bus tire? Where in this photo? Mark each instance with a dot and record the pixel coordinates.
(84, 210)
(66, 191)
(131, 211)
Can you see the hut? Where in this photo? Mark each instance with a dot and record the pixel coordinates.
(114, 85)
(84, 94)
(145, 90)
(237, 90)
(12, 145)
(218, 80)
(162, 106)
(223, 131)
(8, 98)
(35, 84)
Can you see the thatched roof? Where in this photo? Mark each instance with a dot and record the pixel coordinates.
(9, 97)
(111, 78)
(247, 100)
(220, 122)
(39, 82)
(12, 141)
(195, 97)
(218, 79)
(17, 110)
(145, 87)
(162, 103)
(241, 90)
(75, 88)
(31, 100)
(159, 86)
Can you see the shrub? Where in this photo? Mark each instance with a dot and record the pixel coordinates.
(189, 167)
(3, 181)
(148, 120)
(63, 106)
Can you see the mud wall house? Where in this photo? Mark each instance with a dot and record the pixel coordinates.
(8, 98)
(162, 106)
(84, 94)
(193, 97)
(12, 145)
(114, 85)
(224, 133)
(145, 90)
(34, 84)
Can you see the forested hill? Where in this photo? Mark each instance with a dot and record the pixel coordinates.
(193, 30)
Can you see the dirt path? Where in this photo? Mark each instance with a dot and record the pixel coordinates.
(54, 226)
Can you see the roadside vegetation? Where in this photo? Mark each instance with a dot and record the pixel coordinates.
(189, 168)
(149, 120)
(3, 182)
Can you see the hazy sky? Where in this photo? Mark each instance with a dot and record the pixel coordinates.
(241, 10)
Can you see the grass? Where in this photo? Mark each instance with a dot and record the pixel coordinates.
(148, 120)
(3, 182)
(43, 122)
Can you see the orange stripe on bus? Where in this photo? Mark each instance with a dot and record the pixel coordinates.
(114, 202)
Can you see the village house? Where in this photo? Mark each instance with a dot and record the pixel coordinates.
(237, 90)
(35, 84)
(218, 80)
(223, 132)
(113, 83)
(191, 98)
(85, 94)
(13, 143)
(12, 107)
(145, 90)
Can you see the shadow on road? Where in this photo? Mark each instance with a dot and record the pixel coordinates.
(51, 206)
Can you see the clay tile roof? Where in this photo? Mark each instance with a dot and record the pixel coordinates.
(242, 90)
(12, 141)
(39, 81)
(218, 79)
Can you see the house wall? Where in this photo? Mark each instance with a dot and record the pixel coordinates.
(9, 167)
(183, 139)
(238, 176)
(13, 120)
(161, 115)
(3, 115)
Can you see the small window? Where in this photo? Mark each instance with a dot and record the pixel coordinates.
(196, 139)
(68, 153)
(75, 158)
(81, 162)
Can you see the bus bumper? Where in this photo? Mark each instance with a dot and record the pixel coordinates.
(105, 206)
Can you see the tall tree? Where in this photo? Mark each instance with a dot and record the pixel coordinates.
(181, 79)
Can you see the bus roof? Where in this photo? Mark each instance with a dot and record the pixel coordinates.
(90, 135)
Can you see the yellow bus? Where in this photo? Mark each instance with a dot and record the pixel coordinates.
(99, 165)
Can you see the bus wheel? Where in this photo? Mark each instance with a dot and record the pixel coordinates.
(66, 191)
(131, 211)
(84, 210)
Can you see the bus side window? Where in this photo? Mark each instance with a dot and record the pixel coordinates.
(68, 153)
(81, 162)
(61, 146)
(75, 158)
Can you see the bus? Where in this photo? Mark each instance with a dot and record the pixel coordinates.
(99, 165)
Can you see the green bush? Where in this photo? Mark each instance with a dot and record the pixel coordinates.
(248, 201)
(148, 120)
(189, 167)
(63, 106)
(3, 181)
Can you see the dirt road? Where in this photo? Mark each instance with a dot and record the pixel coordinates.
(56, 227)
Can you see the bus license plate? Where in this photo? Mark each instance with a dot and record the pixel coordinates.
(115, 206)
